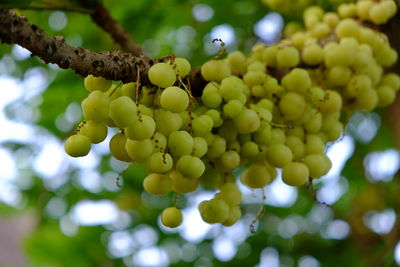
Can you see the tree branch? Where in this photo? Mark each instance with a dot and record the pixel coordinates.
(99, 14)
(111, 65)
(53, 7)
(115, 65)
(103, 19)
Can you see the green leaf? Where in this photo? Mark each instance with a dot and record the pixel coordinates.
(48, 245)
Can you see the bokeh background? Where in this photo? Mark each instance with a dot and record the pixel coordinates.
(61, 211)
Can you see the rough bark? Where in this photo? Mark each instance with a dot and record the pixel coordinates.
(113, 65)
(103, 19)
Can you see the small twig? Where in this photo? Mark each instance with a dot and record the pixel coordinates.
(118, 179)
(259, 214)
(79, 127)
(222, 50)
(115, 89)
(103, 19)
(310, 187)
(137, 86)
(186, 88)
(190, 108)
(171, 58)
(176, 198)
(278, 125)
(156, 99)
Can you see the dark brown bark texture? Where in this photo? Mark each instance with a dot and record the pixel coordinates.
(103, 19)
(112, 65)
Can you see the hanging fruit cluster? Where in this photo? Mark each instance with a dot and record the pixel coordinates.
(277, 108)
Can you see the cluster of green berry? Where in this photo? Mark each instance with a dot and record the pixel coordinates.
(277, 108)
